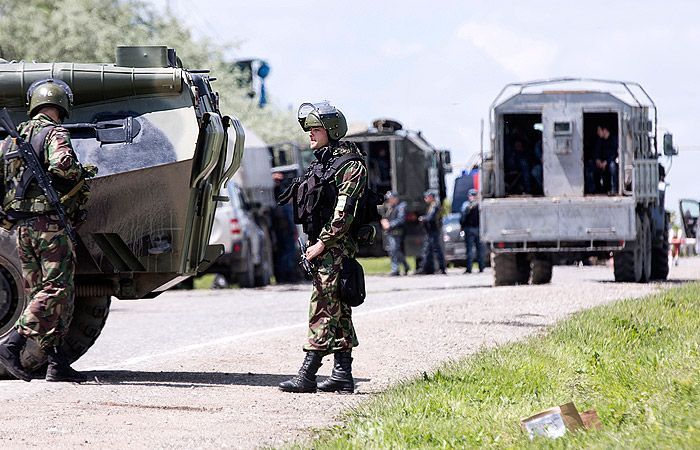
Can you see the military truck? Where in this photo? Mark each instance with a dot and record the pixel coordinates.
(160, 142)
(403, 161)
(537, 208)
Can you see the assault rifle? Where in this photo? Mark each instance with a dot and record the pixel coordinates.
(30, 158)
(305, 263)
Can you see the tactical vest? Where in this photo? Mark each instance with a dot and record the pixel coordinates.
(315, 195)
(22, 196)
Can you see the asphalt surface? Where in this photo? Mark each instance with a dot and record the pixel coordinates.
(200, 369)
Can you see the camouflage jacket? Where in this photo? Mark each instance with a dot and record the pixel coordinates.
(61, 161)
(350, 182)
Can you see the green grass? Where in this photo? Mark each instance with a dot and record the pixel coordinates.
(379, 266)
(637, 362)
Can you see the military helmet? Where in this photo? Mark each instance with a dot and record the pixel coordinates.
(323, 115)
(49, 92)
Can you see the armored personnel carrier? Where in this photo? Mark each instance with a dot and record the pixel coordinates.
(163, 149)
(546, 195)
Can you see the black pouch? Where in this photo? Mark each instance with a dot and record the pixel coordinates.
(352, 282)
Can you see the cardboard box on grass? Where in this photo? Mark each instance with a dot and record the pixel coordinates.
(555, 422)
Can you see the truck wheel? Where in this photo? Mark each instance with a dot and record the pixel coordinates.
(540, 270)
(505, 269)
(659, 255)
(629, 264)
(89, 319)
(646, 248)
(246, 279)
(263, 271)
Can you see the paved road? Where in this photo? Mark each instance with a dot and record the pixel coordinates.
(200, 369)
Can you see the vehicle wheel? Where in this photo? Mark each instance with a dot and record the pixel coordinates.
(505, 269)
(659, 255)
(523, 263)
(12, 299)
(629, 264)
(646, 248)
(540, 270)
(263, 271)
(246, 279)
(89, 319)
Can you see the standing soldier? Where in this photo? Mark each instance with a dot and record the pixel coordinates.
(325, 200)
(431, 245)
(393, 224)
(45, 250)
(469, 220)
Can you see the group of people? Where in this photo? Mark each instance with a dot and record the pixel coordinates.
(48, 257)
(394, 223)
(524, 164)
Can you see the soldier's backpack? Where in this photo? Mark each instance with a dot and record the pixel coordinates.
(366, 212)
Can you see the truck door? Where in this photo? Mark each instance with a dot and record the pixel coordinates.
(690, 210)
(562, 150)
(409, 170)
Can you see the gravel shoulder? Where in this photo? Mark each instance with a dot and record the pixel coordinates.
(200, 369)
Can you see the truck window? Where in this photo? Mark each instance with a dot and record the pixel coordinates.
(522, 154)
(379, 167)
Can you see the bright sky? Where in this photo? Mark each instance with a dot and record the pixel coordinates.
(437, 65)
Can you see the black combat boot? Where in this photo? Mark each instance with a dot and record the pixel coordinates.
(341, 379)
(305, 381)
(59, 368)
(9, 355)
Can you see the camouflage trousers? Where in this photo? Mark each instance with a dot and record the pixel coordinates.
(330, 320)
(48, 265)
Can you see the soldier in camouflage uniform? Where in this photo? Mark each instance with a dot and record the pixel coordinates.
(330, 320)
(45, 250)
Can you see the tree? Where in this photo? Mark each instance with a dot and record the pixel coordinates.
(90, 31)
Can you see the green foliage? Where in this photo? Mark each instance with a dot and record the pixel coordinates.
(376, 266)
(636, 362)
(90, 31)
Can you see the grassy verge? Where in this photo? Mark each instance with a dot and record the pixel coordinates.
(380, 265)
(637, 362)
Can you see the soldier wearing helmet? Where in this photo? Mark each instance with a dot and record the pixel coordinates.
(45, 250)
(393, 223)
(469, 220)
(325, 204)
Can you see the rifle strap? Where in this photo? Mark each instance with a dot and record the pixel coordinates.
(73, 191)
(340, 161)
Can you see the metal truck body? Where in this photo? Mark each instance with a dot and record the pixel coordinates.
(243, 224)
(156, 134)
(555, 122)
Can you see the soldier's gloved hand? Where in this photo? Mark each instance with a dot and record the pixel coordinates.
(89, 171)
(315, 250)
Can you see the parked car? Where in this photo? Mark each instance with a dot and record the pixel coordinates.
(453, 240)
(247, 258)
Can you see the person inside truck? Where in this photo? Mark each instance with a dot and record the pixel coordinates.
(601, 171)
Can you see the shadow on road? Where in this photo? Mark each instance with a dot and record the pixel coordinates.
(188, 379)
(671, 281)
